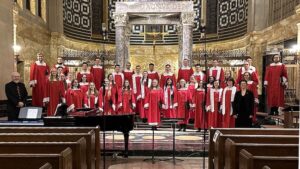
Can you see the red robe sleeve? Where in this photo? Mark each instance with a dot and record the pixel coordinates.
(100, 99)
(162, 81)
(267, 78)
(239, 76)
(133, 101)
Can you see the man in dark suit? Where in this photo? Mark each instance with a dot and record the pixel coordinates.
(16, 94)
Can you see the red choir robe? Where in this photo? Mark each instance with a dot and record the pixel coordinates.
(227, 111)
(153, 75)
(253, 75)
(153, 102)
(145, 85)
(98, 75)
(128, 76)
(89, 76)
(74, 99)
(119, 79)
(217, 73)
(65, 68)
(38, 77)
(198, 102)
(164, 78)
(91, 101)
(200, 76)
(275, 77)
(108, 100)
(185, 73)
(170, 96)
(126, 102)
(213, 101)
(191, 88)
(182, 103)
(84, 86)
(136, 83)
(54, 94)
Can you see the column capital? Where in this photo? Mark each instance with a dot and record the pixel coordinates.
(120, 19)
(187, 18)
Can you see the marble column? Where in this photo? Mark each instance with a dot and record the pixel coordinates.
(121, 44)
(187, 20)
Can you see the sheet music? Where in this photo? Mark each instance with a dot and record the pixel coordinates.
(32, 113)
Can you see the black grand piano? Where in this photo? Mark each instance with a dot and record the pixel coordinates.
(121, 123)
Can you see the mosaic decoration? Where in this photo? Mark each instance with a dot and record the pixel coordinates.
(77, 18)
(232, 18)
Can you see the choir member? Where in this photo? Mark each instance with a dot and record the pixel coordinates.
(126, 100)
(153, 103)
(62, 78)
(69, 79)
(183, 105)
(54, 93)
(169, 99)
(60, 63)
(244, 69)
(192, 85)
(91, 97)
(118, 77)
(74, 96)
(216, 71)
(198, 101)
(167, 74)
(213, 103)
(227, 101)
(127, 72)
(59, 71)
(107, 98)
(136, 85)
(152, 74)
(145, 85)
(276, 80)
(185, 72)
(228, 75)
(84, 84)
(39, 72)
(252, 68)
(198, 74)
(252, 86)
(85, 71)
(16, 94)
(210, 83)
(98, 73)
(243, 106)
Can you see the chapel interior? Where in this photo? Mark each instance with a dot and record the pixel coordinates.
(160, 32)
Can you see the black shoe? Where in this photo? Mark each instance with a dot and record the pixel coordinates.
(199, 130)
(184, 127)
(179, 129)
(144, 120)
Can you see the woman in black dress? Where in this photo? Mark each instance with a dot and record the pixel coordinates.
(243, 106)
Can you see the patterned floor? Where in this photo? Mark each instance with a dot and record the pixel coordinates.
(189, 143)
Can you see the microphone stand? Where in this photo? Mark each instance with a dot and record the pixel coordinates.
(203, 30)
(104, 118)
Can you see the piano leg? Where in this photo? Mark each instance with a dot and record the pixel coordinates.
(126, 140)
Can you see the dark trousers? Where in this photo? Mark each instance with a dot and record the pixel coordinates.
(274, 111)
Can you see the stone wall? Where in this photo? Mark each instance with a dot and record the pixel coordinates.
(6, 52)
(33, 37)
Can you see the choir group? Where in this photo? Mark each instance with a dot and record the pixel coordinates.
(208, 98)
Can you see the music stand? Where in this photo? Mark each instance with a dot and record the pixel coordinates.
(30, 113)
(153, 159)
(173, 121)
